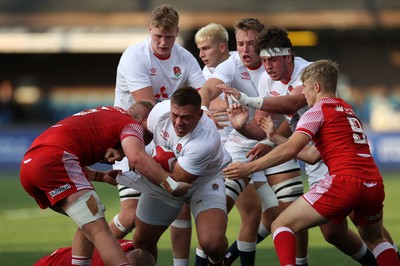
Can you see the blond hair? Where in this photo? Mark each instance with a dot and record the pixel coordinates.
(212, 31)
(325, 72)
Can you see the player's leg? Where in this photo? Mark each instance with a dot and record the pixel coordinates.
(296, 217)
(124, 222)
(347, 241)
(153, 216)
(288, 186)
(86, 210)
(209, 211)
(211, 227)
(384, 252)
(181, 235)
(249, 207)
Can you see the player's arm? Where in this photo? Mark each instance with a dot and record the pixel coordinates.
(210, 91)
(143, 94)
(285, 104)
(308, 154)
(278, 155)
(147, 166)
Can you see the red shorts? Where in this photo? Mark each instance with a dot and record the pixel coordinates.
(50, 174)
(335, 197)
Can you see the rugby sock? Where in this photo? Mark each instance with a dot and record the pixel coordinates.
(285, 245)
(262, 233)
(181, 262)
(81, 261)
(201, 258)
(247, 252)
(365, 257)
(302, 261)
(232, 255)
(397, 250)
(385, 254)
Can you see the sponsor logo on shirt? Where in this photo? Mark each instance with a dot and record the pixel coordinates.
(215, 186)
(153, 71)
(164, 134)
(162, 95)
(59, 190)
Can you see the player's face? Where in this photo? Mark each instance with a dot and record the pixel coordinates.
(162, 41)
(309, 92)
(245, 47)
(211, 52)
(277, 67)
(184, 118)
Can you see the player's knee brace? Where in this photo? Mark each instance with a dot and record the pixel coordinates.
(267, 197)
(234, 187)
(179, 223)
(289, 190)
(86, 209)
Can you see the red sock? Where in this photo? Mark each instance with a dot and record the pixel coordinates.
(385, 254)
(285, 246)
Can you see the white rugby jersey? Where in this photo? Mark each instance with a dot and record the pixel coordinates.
(200, 152)
(233, 73)
(139, 68)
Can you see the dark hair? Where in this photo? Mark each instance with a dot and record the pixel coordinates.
(185, 96)
(274, 37)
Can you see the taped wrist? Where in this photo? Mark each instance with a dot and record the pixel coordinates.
(267, 142)
(169, 184)
(254, 102)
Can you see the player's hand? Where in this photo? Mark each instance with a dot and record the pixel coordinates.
(165, 157)
(221, 119)
(112, 155)
(238, 115)
(258, 151)
(109, 177)
(182, 189)
(268, 126)
(232, 92)
(236, 170)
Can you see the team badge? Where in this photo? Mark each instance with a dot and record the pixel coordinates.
(178, 148)
(215, 186)
(177, 71)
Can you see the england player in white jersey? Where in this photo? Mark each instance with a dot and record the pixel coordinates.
(212, 42)
(274, 49)
(242, 70)
(153, 70)
(181, 125)
(285, 179)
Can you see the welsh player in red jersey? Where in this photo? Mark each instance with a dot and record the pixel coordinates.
(354, 185)
(55, 171)
(62, 256)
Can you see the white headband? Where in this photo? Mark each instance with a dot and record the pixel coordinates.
(275, 52)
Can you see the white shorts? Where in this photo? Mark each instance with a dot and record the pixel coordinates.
(237, 148)
(316, 172)
(158, 207)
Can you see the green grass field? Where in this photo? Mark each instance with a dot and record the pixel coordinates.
(27, 233)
